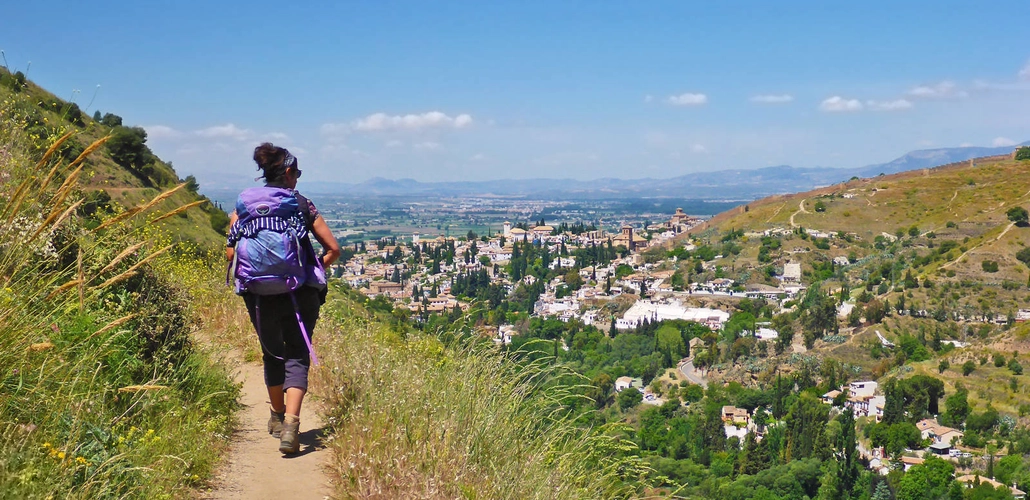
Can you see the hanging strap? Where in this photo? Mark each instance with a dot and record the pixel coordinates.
(230, 273)
(303, 330)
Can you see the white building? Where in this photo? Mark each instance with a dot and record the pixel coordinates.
(792, 272)
(656, 311)
(863, 388)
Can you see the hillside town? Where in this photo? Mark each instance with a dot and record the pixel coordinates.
(399, 272)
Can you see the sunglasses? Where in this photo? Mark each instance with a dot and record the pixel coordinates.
(295, 169)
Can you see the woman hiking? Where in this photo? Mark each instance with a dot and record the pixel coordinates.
(282, 281)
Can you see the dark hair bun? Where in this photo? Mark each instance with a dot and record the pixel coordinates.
(269, 158)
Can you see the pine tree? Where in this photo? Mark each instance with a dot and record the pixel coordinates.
(847, 449)
(894, 406)
(883, 492)
(829, 486)
(755, 457)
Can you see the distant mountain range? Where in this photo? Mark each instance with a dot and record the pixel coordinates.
(738, 185)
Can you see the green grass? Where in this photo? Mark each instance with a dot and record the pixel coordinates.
(102, 391)
(414, 418)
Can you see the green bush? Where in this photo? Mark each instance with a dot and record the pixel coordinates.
(128, 147)
(999, 360)
(1015, 367)
(1023, 153)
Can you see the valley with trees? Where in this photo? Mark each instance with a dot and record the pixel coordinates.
(864, 340)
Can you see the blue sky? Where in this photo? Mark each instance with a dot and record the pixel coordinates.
(486, 90)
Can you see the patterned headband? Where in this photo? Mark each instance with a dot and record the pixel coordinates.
(289, 161)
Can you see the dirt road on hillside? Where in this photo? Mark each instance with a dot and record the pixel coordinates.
(255, 470)
(801, 210)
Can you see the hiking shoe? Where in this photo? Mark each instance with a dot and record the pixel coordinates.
(275, 423)
(290, 438)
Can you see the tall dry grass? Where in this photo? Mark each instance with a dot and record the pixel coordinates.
(102, 394)
(413, 418)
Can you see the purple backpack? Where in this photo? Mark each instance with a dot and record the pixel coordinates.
(273, 251)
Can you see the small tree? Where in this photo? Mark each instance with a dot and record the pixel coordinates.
(1015, 367)
(1023, 153)
(1018, 215)
(943, 365)
(968, 367)
(629, 398)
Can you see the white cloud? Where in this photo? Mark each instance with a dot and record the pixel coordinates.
(394, 143)
(382, 121)
(687, 99)
(276, 136)
(966, 145)
(428, 146)
(478, 157)
(1024, 74)
(698, 148)
(943, 90)
(839, 104)
(335, 129)
(161, 132)
(1002, 141)
(1002, 86)
(895, 105)
(648, 98)
(772, 99)
(229, 131)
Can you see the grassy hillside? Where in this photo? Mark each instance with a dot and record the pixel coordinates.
(414, 416)
(103, 393)
(932, 254)
(123, 173)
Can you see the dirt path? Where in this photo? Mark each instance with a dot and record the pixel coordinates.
(777, 212)
(255, 469)
(801, 210)
(1007, 228)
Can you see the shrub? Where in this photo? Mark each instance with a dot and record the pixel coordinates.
(1015, 367)
(968, 367)
(111, 120)
(1023, 153)
(128, 147)
(989, 266)
(1018, 215)
(1024, 256)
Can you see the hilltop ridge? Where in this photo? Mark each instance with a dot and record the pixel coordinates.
(123, 172)
(734, 184)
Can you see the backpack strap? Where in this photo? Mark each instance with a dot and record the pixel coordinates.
(305, 209)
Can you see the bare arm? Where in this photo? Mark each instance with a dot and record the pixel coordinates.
(230, 251)
(324, 235)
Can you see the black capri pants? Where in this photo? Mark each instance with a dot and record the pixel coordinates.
(284, 352)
